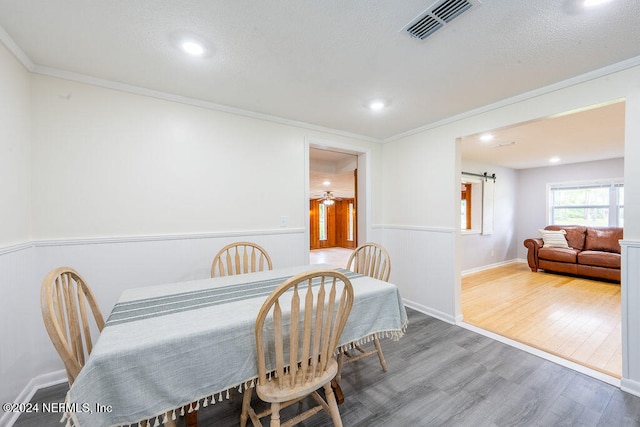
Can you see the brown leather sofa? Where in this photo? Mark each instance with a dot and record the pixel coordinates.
(593, 252)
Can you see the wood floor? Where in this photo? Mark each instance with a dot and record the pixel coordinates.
(335, 256)
(577, 319)
(443, 375)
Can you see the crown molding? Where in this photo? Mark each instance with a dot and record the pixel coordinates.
(8, 41)
(137, 90)
(582, 78)
(10, 44)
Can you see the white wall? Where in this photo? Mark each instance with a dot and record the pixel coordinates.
(15, 151)
(133, 190)
(427, 166)
(631, 243)
(109, 163)
(481, 250)
(532, 192)
(421, 194)
(18, 302)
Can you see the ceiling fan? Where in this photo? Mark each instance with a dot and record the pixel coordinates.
(328, 198)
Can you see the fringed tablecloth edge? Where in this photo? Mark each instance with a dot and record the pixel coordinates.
(221, 395)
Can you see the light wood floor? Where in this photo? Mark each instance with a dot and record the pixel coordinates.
(334, 256)
(577, 319)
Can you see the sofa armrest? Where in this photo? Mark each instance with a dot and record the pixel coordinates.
(532, 255)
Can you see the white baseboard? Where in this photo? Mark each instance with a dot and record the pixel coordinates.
(25, 396)
(490, 266)
(630, 386)
(430, 312)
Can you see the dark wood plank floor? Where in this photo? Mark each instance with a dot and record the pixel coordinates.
(443, 375)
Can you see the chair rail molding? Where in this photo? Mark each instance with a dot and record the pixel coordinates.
(16, 247)
(163, 237)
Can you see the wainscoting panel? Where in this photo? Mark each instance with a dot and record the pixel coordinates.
(110, 265)
(19, 318)
(423, 267)
(631, 316)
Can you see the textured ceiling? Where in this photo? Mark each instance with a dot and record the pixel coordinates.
(336, 168)
(592, 134)
(320, 62)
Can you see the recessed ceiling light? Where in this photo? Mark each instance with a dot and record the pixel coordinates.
(593, 3)
(193, 48)
(554, 159)
(327, 182)
(377, 105)
(486, 137)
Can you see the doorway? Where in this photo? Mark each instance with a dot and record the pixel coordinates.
(522, 156)
(333, 219)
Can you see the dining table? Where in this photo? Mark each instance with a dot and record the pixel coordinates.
(173, 348)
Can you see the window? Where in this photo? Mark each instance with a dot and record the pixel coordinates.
(351, 222)
(590, 204)
(322, 221)
(471, 205)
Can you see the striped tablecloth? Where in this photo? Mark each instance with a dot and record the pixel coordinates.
(166, 346)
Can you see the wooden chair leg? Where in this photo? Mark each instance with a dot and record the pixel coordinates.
(337, 391)
(191, 419)
(275, 414)
(340, 363)
(383, 362)
(246, 403)
(333, 405)
(170, 422)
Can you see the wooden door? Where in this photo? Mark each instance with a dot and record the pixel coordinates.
(332, 225)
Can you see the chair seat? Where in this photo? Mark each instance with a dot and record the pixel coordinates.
(271, 391)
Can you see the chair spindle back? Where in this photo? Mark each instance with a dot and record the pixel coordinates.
(64, 297)
(309, 312)
(370, 259)
(240, 258)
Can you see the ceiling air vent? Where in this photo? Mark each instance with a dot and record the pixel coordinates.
(439, 14)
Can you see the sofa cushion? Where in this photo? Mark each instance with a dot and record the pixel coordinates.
(599, 259)
(603, 239)
(568, 255)
(575, 234)
(554, 238)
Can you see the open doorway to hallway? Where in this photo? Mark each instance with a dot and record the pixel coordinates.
(332, 202)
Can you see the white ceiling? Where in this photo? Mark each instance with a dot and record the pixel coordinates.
(591, 134)
(333, 167)
(317, 63)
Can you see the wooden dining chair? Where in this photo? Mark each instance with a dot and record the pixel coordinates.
(67, 301)
(239, 258)
(297, 331)
(370, 259)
